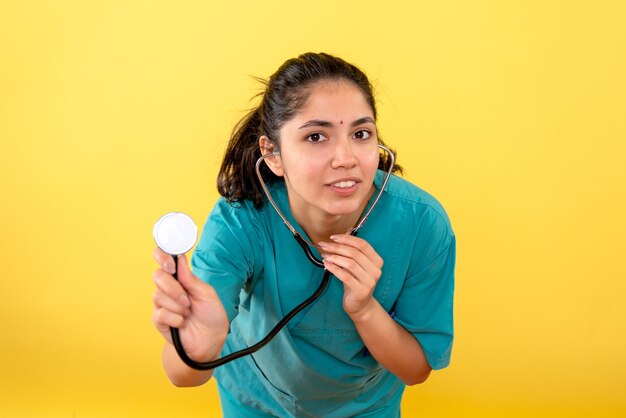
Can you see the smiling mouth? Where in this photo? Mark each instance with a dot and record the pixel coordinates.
(344, 184)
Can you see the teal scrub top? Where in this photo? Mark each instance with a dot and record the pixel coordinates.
(318, 365)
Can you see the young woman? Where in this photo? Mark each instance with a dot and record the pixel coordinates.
(385, 319)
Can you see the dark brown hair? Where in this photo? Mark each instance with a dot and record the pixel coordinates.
(285, 93)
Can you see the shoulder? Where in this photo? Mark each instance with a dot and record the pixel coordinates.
(405, 196)
(240, 212)
(232, 222)
(415, 216)
(246, 207)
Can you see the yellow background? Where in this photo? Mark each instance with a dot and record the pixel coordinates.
(512, 113)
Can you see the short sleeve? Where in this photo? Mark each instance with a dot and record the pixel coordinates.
(425, 304)
(227, 255)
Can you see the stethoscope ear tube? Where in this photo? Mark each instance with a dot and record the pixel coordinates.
(293, 230)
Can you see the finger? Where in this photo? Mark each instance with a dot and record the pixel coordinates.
(161, 300)
(352, 253)
(345, 277)
(360, 245)
(357, 289)
(163, 318)
(170, 287)
(192, 284)
(165, 260)
(341, 249)
(348, 245)
(365, 277)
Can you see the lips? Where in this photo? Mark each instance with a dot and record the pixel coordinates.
(345, 186)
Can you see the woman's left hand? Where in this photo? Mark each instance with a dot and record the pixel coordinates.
(353, 261)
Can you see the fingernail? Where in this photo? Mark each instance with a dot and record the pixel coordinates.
(169, 267)
(334, 237)
(323, 244)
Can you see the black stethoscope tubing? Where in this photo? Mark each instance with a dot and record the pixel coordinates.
(253, 348)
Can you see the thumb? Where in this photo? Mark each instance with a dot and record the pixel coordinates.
(184, 275)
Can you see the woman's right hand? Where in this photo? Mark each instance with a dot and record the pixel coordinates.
(190, 305)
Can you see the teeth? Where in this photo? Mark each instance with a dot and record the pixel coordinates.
(344, 184)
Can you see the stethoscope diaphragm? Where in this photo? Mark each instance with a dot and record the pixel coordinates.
(175, 233)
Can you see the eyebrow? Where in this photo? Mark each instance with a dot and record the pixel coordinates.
(325, 123)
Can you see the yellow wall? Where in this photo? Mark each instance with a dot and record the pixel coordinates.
(513, 113)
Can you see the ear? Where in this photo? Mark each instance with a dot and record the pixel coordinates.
(274, 163)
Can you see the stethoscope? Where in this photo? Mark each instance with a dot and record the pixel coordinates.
(175, 233)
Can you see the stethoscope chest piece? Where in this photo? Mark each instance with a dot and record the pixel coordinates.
(175, 233)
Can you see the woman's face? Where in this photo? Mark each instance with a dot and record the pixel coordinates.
(329, 153)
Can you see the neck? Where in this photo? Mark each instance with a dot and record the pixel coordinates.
(324, 228)
(320, 226)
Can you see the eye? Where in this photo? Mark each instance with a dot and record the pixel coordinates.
(316, 137)
(362, 134)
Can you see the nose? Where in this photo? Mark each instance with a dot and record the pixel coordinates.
(343, 155)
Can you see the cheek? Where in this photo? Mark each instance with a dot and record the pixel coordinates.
(302, 170)
(299, 162)
(370, 161)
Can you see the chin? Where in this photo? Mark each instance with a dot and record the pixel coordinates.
(343, 209)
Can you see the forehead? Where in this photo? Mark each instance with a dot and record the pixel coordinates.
(331, 99)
